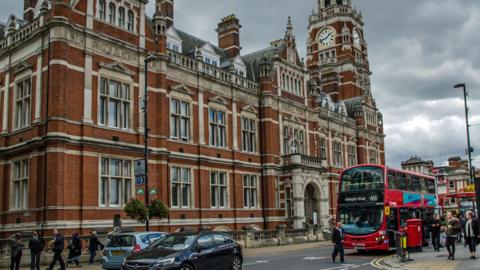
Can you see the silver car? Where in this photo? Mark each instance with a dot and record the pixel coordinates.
(123, 245)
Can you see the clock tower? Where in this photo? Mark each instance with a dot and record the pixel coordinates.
(337, 61)
(337, 52)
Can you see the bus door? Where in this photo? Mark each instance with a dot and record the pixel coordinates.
(393, 225)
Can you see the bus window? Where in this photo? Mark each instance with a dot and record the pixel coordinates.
(362, 178)
(431, 186)
(415, 184)
(392, 180)
(401, 181)
(409, 183)
(423, 185)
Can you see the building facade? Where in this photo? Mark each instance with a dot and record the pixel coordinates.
(234, 140)
(418, 165)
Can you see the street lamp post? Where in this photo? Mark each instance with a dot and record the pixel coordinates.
(149, 59)
(470, 149)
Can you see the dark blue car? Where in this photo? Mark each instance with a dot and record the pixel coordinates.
(188, 251)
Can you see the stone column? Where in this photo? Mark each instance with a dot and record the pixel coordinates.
(234, 125)
(87, 92)
(201, 122)
(38, 89)
(298, 199)
(6, 94)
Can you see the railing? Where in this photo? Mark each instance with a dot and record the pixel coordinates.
(210, 71)
(21, 33)
(265, 235)
(296, 233)
(308, 161)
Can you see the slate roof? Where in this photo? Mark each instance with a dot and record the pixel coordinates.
(413, 160)
(351, 104)
(253, 60)
(189, 43)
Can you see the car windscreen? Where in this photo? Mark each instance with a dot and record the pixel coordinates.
(361, 220)
(150, 238)
(121, 241)
(175, 242)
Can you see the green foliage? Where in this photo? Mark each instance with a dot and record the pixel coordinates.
(136, 209)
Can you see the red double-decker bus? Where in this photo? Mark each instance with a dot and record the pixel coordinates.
(374, 201)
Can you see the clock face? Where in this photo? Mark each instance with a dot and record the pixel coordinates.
(326, 37)
(357, 40)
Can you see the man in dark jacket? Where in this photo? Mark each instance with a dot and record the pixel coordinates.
(36, 245)
(93, 246)
(338, 236)
(16, 246)
(58, 246)
(435, 231)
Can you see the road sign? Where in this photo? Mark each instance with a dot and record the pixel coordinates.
(139, 167)
(139, 180)
(140, 191)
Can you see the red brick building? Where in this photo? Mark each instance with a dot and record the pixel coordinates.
(235, 139)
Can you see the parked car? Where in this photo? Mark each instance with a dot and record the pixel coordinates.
(122, 245)
(188, 251)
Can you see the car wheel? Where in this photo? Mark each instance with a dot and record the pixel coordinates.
(237, 263)
(186, 267)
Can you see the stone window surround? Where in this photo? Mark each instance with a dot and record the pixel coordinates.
(123, 79)
(20, 78)
(258, 188)
(216, 105)
(185, 98)
(227, 182)
(133, 189)
(12, 180)
(251, 116)
(192, 186)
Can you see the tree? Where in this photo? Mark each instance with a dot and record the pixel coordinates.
(136, 209)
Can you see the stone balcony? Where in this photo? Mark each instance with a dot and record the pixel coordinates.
(300, 160)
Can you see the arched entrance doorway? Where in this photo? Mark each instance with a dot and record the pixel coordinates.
(312, 205)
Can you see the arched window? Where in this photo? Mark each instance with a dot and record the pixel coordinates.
(111, 13)
(130, 21)
(121, 17)
(101, 9)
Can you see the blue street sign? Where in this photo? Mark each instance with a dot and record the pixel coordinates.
(139, 180)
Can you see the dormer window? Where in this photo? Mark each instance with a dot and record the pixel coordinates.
(111, 13)
(121, 17)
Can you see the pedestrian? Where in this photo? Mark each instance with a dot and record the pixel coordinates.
(435, 232)
(36, 245)
(16, 246)
(75, 250)
(93, 246)
(452, 225)
(338, 237)
(57, 246)
(471, 232)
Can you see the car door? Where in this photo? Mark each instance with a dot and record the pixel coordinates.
(224, 251)
(204, 257)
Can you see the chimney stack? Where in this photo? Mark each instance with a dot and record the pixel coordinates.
(164, 9)
(229, 35)
(29, 9)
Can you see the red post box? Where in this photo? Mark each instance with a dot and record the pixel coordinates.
(414, 233)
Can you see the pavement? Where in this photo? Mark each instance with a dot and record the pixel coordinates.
(309, 256)
(429, 259)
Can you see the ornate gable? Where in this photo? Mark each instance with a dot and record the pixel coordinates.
(22, 67)
(219, 100)
(181, 88)
(117, 67)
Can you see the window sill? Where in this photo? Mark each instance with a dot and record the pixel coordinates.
(129, 130)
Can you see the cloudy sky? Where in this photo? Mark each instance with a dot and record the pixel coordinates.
(418, 50)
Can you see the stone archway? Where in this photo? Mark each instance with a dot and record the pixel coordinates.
(312, 205)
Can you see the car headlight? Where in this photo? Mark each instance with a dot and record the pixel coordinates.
(164, 262)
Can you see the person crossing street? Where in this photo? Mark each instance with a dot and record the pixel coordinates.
(338, 237)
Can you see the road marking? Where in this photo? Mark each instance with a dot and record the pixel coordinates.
(313, 258)
(261, 262)
(341, 267)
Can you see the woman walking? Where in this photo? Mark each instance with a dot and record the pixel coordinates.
(471, 231)
(75, 252)
(452, 225)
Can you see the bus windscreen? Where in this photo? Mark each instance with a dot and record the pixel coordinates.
(361, 220)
